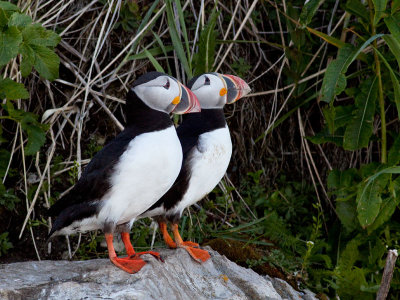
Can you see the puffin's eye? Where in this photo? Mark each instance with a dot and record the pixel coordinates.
(166, 86)
(206, 80)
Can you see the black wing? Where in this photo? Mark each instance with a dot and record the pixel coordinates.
(94, 181)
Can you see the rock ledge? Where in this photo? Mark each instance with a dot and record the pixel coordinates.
(178, 278)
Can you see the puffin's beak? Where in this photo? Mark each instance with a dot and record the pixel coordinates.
(188, 103)
(236, 88)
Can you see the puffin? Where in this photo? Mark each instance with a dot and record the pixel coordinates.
(131, 172)
(207, 149)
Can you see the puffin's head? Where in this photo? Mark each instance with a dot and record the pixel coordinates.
(214, 90)
(164, 93)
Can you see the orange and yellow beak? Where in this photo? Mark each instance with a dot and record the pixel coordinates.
(187, 103)
(236, 88)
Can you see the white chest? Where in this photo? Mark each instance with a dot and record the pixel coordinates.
(209, 162)
(145, 171)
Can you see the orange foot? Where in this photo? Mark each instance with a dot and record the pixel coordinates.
(168, 240)
(130, 265)
(198, 255)
(190, 244)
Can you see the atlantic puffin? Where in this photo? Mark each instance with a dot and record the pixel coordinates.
(207, 149)
(131, 172)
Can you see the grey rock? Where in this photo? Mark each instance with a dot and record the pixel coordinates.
(287, 292)
(178, 278)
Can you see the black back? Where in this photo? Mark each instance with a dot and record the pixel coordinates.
(82, 201)
(189, 131)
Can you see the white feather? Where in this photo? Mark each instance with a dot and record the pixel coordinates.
(145, 171)
(209, 161)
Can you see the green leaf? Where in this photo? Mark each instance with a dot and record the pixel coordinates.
(369, 200)
(343, 183)
(380, 7)
(358, 9)
(3, 18)
(324, 136)
(360, 127)
(394, 152)
(9, 43)
(334, 81)
(342, 115)
(347, 213)
(204, 58)
(46, 62)
(390, 170)
(35, 131)
(329, 39)
(392, 23)
(36, 34)
(8, 6)
(387, 210)
(394, 46)
(28, 59)
(308, 11)
(155, 63)
(176, 41)
(334, 132)
(329, 113)
(395, 81)
(12, 90)
(19, 20)
(349, 255)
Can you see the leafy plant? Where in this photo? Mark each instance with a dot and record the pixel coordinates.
(129, 16)
(366, 197)
(35, 45)
(24, 46)
(5, 244)
(8, 198)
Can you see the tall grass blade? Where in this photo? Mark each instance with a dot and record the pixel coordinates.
(183, 29)
(164, 50)
(176, 41)
(155, 63)
(204, 58)
(144, 23)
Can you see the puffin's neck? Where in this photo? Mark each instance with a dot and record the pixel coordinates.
(141, 116)
(206, 120)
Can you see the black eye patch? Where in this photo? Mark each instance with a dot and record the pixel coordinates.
(166, 86)
(206, 80)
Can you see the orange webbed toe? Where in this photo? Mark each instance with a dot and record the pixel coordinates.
(130, 265)
(197, 254)
(190, 244)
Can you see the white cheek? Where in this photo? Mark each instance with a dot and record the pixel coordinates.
(208, 97)
(154, 97)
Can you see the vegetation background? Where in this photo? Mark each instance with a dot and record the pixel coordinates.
(311, 194)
